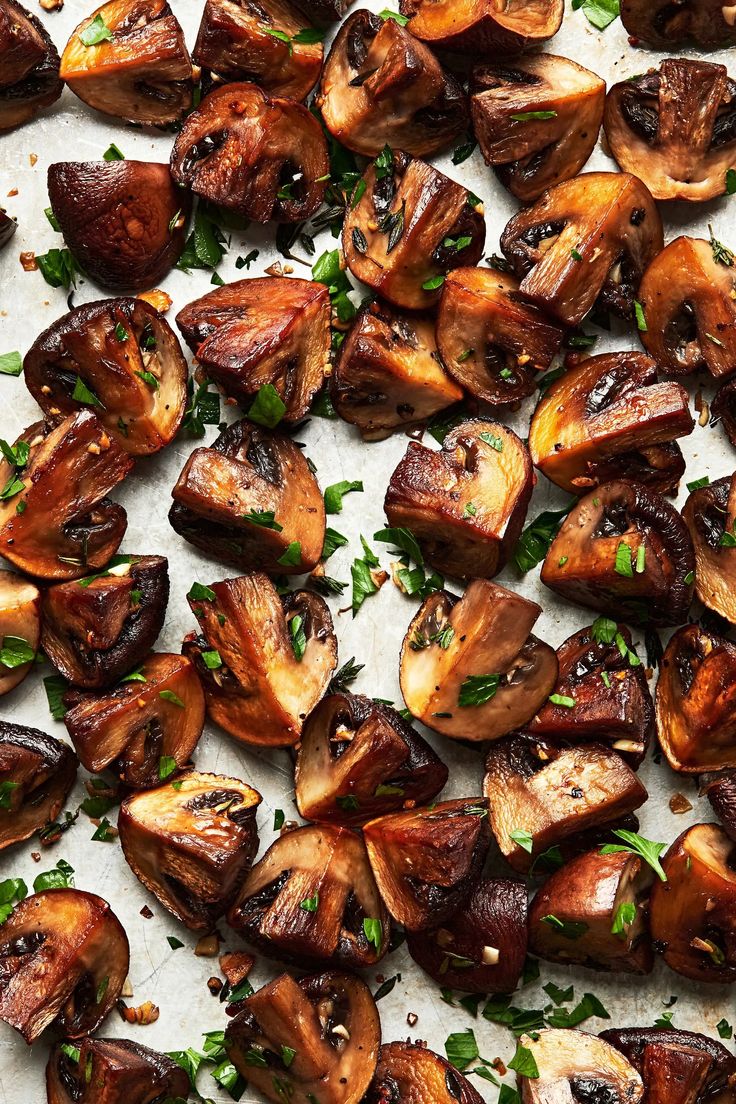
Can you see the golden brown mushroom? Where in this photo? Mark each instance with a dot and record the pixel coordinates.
(677, 1067)
(20, 628)
(36, 774)
(112, 1071)
(418, 1074)
(481, 26)
(710, 515)
(29, 67)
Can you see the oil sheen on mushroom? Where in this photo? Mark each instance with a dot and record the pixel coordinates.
(677, 1067)
(29, 67)
(112, 1071)
(482, 26)
(36, 774)
(417, 1074)
(710, 515)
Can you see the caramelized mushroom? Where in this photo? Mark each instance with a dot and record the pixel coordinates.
(381, 86)
(663, 24)
(113, 1071)
(270, 330)
(677, 1067)
(8, 225)
(359, 759)
(610, 418)
(323, 12)
(575, 1066)
(540, 793)
(192, 846)
(693, 913)
(409, 228)
(265, 660)
(20, 628)
(129, 59)
(675, 128)
(318, 1037)
(63, 960)
(36, 774)
(710, 515)
(536, 120)
(29, 67)
(427, 861)
(55, 521)
(466, 504)
(624, 551)
(312, 898)
(720, 789)
(470, 667)
(263, 158)
(146, 727)
(723, 408)
(585, 242)
(482, 26)
(410, 1073)
(120, 358)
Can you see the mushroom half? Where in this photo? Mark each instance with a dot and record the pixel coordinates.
(662, 24)
(483, 26)
(36, 774)
(677, 1067)
(576, 1066)
(20, 628)
(710, 515)
(112, 1071)
(410, 1073)
(29, 67)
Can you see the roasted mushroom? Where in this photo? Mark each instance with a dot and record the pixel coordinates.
(359, 759)
(427, 861)
(29, 67)
(540, 793)
(192, 846)
(576, 1067)
(55, 521)
(271, 330)
(129, 59)
(470, 667)
(323, 12)
(536, 120)
(664, 24)
(250, 500)
(265, 660)
(710, 515)
(381, 86)
(610, 418)
(677, 1067)
(409, 228)
(490, 340)
(465, 504)
(315, 1039)
(113, 1071)
(693, 912)
(720, 789)
(312, 898)
(625, 551)
(144, 729)
(8, 225)
(482, 26)
(63, 960)
(20, 628)
(585, 242)
(389, 373)
(723, 408)
(36, 774)
(119, 358)
(263, 158)
(410, 1073)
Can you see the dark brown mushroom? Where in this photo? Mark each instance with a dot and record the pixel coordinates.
(271, 330)
(36, 774)
(576, 1066)
(625, 551)
(144, 729)
(470, 667)
(664, 24)
(359, 759)
(112, 1071)
(409, 228)
(265, 660)
(481, 26)
(63, 959)
(585, 242)
(20, 628)
(263, 158)
(723, 408)
(720, 789)
(677, 1067)
(29, 67)
(536, 120)
(55, 521)
(710, 515)
(129, 59)
(410, 1073)
(323, 12)
(8, 226)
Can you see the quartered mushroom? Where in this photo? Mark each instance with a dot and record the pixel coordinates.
(63, 959)
(482, 26)
(593, 912)
(264, 659)
(36, 774)
(359, 759)
(675, 128)
(710, 515)
(611, 418)
(113, 1071)
(585, 242)
(663, 24)
(129, 59)
(693, 912)
(536, 120)
(575, 1067)
(410, 1073)
(20, 628)
(625, 551)
(471, 668)
(144, 729)
(720, 789)
(261, 157)
(192, 846)
(428, 860)
(8, 226)
(318, 1037)
(250, 500)
(312, 898)
(410, 227)
(118, 358)
(382, 86)
(490, 340)
(540, 793)
(677, 1067)
(29, 67)
(271, 330)
(467, 503)
(55, 519)
(124, 221)
(389, 373)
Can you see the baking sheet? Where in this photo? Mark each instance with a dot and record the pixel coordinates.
(176, 980)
